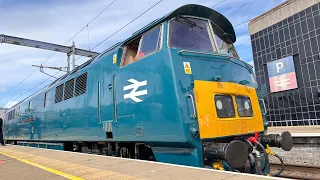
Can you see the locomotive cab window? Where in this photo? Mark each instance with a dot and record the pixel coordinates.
(143, 46)
(244, 106)
(131, 51)
(194, 34)
(224, 106)
(190, 34)
(223, 43)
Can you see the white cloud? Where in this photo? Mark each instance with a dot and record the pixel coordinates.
(56, 22)
(10, 104)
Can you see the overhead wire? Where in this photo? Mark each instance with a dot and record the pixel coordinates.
(236, 24)
(278, 28)
(127, 24)
(250, 40)
(241, 23)
(35, 87)
(56, 52)
(124, 26)
(243, 44)
(91, 21)
(246, 20)
(105, 39)
(218, 3)
(100, 43)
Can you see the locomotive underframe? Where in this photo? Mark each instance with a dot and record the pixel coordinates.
(130, 150)
(245, 154)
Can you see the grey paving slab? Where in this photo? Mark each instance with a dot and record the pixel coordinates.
(12, 169)
(295, 130)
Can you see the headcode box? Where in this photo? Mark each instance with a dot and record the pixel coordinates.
(282, 75)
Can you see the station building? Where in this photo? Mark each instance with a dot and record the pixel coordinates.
(285, 44)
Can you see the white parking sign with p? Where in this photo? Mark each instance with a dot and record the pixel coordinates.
(279, 65)
(282, 74)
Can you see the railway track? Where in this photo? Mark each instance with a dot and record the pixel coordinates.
(297, 171)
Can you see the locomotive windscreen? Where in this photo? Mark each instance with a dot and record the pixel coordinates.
(190, 34)
(194, 34)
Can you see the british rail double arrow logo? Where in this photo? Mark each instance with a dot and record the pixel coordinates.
(134, 93)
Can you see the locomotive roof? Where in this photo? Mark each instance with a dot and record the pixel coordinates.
(188, 10)
(198, 11)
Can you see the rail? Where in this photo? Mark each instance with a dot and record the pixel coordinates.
(297, 171)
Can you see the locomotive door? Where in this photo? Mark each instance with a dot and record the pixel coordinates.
(106, 91)
(137, 76)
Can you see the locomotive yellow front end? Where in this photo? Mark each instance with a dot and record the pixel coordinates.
(227, 109)
(232, 129)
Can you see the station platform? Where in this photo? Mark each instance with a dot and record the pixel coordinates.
(19, 162)
(297, 131)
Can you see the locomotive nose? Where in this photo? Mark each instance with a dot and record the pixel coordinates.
(234, 153)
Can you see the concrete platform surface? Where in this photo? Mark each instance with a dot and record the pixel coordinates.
(297, 131)
(14, 169)
(18, 162)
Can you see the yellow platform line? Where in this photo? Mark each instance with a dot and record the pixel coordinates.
(54, 171)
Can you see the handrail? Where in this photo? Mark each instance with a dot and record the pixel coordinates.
(264, 106)
(196, 52)
(193, 116)
(216, 54)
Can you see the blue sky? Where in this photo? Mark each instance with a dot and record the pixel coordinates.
(57, 21)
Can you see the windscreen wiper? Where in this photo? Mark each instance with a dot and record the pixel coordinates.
(188, 21)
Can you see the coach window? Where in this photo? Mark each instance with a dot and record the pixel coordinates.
(30, 106)
(18, 111)
(143, 46)
(44, 99)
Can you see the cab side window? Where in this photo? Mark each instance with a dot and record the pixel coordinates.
(131, 50)
(142, 46)
(150, 43)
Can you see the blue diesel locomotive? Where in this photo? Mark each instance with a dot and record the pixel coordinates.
(175, 92)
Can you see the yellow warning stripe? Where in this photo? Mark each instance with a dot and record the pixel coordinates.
(54, 171)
